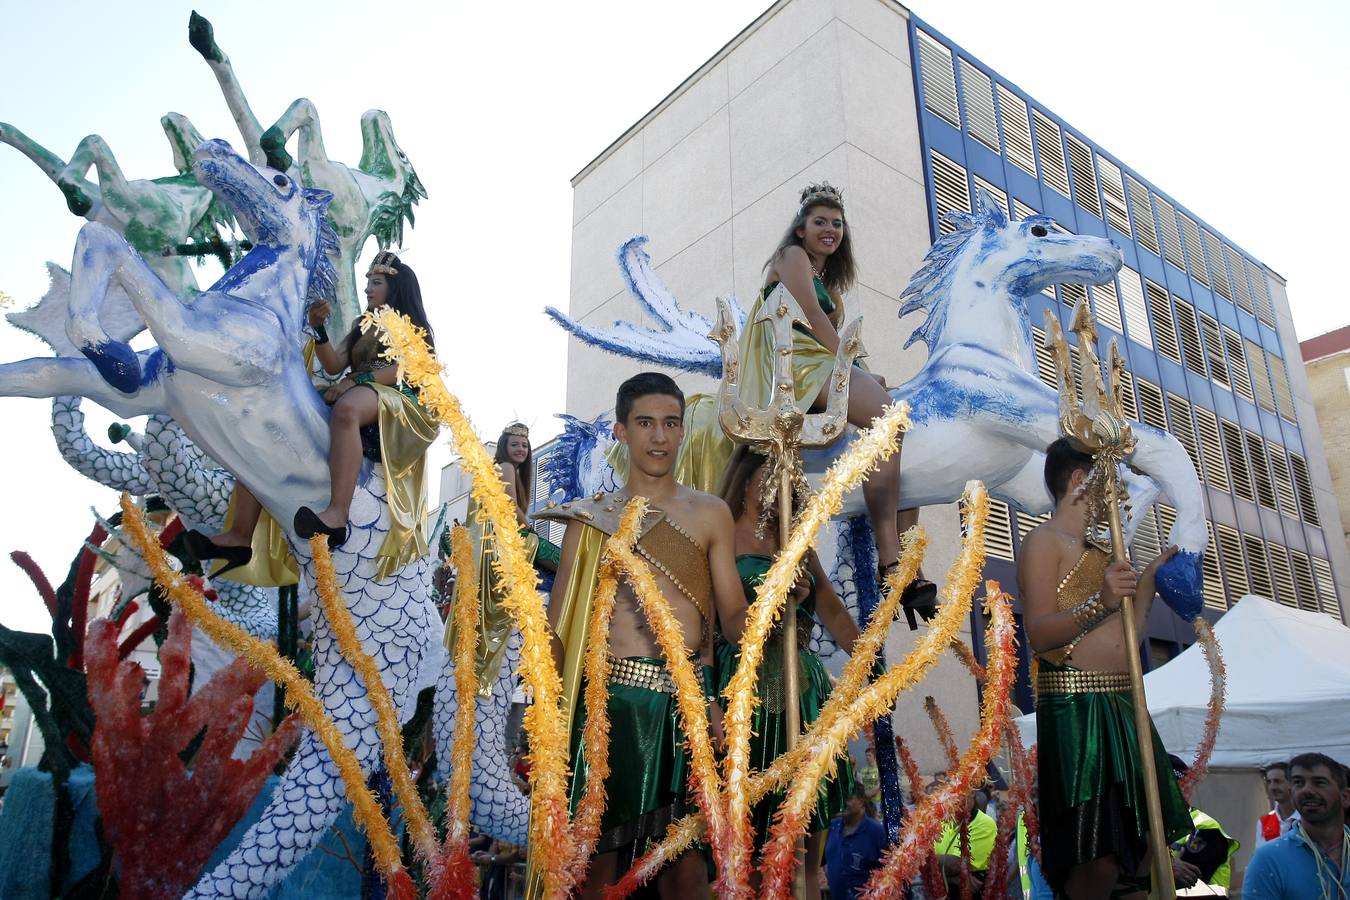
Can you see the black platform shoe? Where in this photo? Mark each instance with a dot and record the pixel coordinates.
(203, 549)
(920, 596)
(307, 524)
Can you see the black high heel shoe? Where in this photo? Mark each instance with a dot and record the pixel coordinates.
(203, 549)
(307, 524)
(919, 596)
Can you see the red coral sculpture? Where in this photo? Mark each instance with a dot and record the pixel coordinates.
(164, 816)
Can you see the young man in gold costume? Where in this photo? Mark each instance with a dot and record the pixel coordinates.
(1094, 820)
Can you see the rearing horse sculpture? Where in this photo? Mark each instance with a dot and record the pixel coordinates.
(229, 371)
(978, 408)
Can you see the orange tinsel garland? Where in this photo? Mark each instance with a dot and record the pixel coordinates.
(933, 884)
(299, 694)
(943, 729)
(878, 699)
(925, 822)
(455, 875)
(1218, 687)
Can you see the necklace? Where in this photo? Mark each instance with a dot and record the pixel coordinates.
(817, 274)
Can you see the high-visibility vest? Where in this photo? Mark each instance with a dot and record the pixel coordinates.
(1022, 850)
(1202, 821)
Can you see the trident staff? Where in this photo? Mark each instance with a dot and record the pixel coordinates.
(1097, 425)
(780, 431)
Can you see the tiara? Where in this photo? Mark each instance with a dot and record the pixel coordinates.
(517, 429)
(823, 192)
(385, 263)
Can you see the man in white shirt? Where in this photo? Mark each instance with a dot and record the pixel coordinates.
(1283, 814)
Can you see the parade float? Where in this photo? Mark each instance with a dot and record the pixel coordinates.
(335, 678)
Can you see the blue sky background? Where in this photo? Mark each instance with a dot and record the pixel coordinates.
(1235, 109)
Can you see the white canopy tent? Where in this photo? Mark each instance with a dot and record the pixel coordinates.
(1288, 689)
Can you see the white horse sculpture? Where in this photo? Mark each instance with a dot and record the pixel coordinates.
(978, 408)
(229, 371)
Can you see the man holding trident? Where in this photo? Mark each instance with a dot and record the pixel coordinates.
(1109, 803)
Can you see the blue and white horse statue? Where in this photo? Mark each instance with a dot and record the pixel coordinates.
(228, 369)
(978, 408)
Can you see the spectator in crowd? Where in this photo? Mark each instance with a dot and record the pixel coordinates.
(1313, 859)
(1204, 855)
(853, 847)
(982, 832)
(497, 864)
(1283, 814)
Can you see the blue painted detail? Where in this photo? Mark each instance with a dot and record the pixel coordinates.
(561, 470)
(117, 363)
(1180, 583)
(156, 364)
(883, 734)
(944, 398)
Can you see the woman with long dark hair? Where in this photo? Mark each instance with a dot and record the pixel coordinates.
(756, 547)
(814, 261)
(368, 395)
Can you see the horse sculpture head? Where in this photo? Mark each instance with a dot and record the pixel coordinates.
(999, 259)
(274, 211)
(382, 157)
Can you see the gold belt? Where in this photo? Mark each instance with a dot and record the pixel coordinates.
(1079, 682)
(640, 674)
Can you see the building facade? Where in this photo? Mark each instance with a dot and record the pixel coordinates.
(865, 95)
(1327, 359)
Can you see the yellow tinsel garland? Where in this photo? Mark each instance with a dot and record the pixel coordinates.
(595, 733)
(551, 844)
(871, 446)
(924, 823)
(878, 699)
(460, 803)
(386, 715)
(299, 695)
(732, 873)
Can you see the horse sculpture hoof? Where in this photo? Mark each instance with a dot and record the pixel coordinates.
(273, 143)
(202, 37)
(76, 199)
(1179, 583)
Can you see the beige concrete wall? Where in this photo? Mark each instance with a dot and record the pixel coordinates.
(1329, 389)
(814, 90)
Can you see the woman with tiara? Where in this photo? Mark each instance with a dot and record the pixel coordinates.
(372, 416)
(515, 463)
(814, 261)
(756, 546)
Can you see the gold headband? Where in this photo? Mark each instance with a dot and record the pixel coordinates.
(824, 192)
(517, 429)
(384, 263)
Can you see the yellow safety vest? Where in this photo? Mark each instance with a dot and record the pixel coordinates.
(1202, 821)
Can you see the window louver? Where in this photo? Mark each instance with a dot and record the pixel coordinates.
(1237, 460)
(1113, 190)
(1214, 252)
(1214, 594)
(1071, 294)
(1259, 564)
(1326, 587)
(1000, 196)
(1218, 363)
(1022, 211)
(977, 90)
(1106, 306)
(1237, 275)
(1304, 581)
(1284, 482)
(1261, 294)
(1150, 404)
(1283, 576)
(1045, 359)
(1026, 522)
(939, 79)
(1280, 381)
(1307, 503)
(1211, 448)
(949, 188)
(1257, 461)
(1144, 231)
(1234, 567)
(1171, 237)
(1128, 401)
(1054, 169)
(1256, 366)
(1190, 338)
(1016, 130)
(1084, 176)
(1195, 253)
(1237, 364)
(1183, 429)
(1163, 330)
(1136, 309)
(998, 541)
(1148, 541)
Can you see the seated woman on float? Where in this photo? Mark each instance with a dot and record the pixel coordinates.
(369, 395)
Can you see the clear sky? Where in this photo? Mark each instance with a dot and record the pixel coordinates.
(1235, 109)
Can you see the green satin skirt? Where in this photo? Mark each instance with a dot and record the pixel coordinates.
(769, 735)
(1092, 799)
(648, 771)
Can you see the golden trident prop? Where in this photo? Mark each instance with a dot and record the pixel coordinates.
(780, 431)
(1098, 426)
